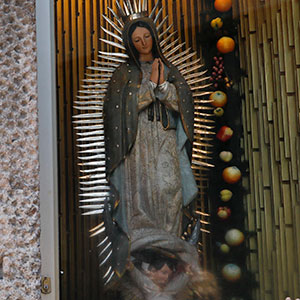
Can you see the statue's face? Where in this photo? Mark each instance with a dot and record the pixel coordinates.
(161, 277)
(142, 40)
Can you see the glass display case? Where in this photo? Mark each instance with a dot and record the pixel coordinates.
(237, 64)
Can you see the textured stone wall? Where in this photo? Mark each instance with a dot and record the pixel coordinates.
(19, 167)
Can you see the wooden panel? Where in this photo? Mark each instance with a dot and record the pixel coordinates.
(269, 36)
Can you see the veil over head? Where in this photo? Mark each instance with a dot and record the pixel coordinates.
(127, 33)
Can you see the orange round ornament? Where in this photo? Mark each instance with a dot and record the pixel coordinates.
(231, 175)
(225, 44)
(223, 5)
(219, 99)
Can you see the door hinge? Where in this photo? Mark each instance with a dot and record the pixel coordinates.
(46, 285)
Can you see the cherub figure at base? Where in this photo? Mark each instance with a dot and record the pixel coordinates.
(164, 267)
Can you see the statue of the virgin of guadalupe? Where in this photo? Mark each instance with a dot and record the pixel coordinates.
(148, 120)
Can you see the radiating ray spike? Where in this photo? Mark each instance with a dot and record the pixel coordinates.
(107, 272)
(102, 69)
(88, 121)
(91, 97)
(197, 167)
(90, 115)
(204, 222)
(102, 187)
(102, 87)
(129, 6)
(116, 17)
(103, 241)
(180, 54)
(102, 194)
(113, 43)
(98, 150)
(86, 133)
(106, 63)
(161, 24)
(101, 181)
(90, 127)
(200, 87)
(109, 278)
(99, 93)
(189, 67)
(206, 115)
(195, 75)
(93, 212)
(118, 54)
(95, 176)
(96, 200)
(204, 120)
(193, 81)
(92, 163)
(102, 169)
(203, 138)
(97, 75)
(202, 108)
(96, 80)
(105, 248)
(91, 92)
(91, 145)
(145, 5)
(198, 212)
(119, 60)
(202, 151)
(202, 131)
(113, 25)
(165, 32)
(92, 206)
(163, 42)
(87, 108)
(170, 45)
(135, 7)
(112, 34)
(158, 16)
(101, 230)
(154, 8)
(180, 59)
(174, 50)
(120, 9)
(96, 188)
(200, 144)
(194, 155)
(127, 13)
(202, 163)
(107, 257)
(98, 156)
(204, 126)
(90, 139)
(96, 227)
(97, 102)
(200, 95)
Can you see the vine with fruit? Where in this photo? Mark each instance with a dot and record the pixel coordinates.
(219, 49)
